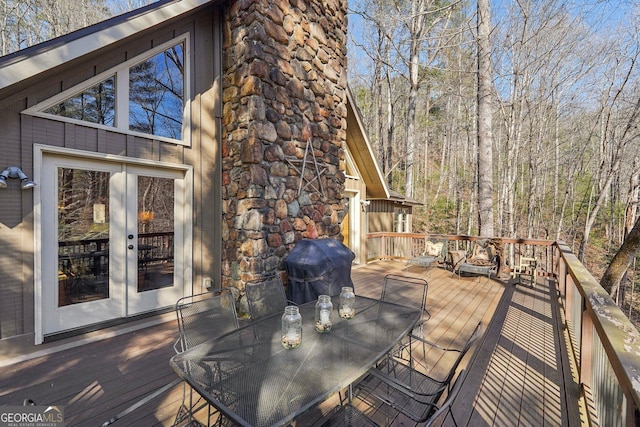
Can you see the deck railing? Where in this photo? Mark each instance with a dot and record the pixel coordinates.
(605, 344)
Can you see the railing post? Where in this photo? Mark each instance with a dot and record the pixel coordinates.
(561, 268)
(586, 352)
(383, 247)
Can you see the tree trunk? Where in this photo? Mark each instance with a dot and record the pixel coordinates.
(390, 131)
(633, 198)
(621, 261)
(485, 137)
(417, 30)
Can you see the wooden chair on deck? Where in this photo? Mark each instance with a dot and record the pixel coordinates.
(525, 272)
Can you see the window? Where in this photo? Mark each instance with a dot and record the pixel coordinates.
(95, 105)
(400, 220)
(145, 95)
(155, 94)
(351, 170)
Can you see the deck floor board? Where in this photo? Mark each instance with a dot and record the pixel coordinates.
(517, 375)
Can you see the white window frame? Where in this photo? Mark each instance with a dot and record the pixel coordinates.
(121, 74)
(351, 164)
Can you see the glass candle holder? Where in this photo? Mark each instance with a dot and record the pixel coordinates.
(324, 309)
(291, 327)
(347, 307)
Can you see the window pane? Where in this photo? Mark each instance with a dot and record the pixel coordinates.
(156, 201)
(156, 94)
(95, 105)
(83, 236)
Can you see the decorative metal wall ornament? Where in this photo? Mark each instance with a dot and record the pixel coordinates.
(300, 165)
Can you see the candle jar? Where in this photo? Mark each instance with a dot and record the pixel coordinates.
(291, 327)
(324, 307)
(347, 307)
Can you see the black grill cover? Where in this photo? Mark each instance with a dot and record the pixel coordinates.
(318, 267)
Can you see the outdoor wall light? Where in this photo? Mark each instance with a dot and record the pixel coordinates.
(16, 172)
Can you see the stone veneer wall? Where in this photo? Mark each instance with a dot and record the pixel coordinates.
(284, 83)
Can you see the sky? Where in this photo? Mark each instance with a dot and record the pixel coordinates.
(605, 16)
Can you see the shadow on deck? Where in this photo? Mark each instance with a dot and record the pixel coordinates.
(518, 374)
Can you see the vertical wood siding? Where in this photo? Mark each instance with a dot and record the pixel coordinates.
(20, 132)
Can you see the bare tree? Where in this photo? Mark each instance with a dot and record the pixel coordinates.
(622, 261)
(24, 23)
(618, 128)
(485, 112)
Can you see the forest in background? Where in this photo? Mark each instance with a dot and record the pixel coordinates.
(565, 114)
(24, 23)
(566, 111)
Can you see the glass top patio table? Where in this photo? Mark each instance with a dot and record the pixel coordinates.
(252, 379)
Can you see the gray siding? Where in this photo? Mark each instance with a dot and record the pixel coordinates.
(20, 132)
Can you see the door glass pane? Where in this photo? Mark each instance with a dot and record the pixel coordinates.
(155, 233)
(83, 236)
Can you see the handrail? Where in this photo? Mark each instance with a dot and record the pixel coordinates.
(606, 345)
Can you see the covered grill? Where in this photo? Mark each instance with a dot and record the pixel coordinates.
(318, 267)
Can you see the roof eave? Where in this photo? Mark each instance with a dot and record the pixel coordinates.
(37, 59)
(375, 179)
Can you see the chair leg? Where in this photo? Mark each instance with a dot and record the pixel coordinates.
(187, 411)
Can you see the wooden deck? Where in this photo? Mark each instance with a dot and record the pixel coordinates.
(518, 374)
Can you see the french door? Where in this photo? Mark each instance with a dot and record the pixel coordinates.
(113, 240)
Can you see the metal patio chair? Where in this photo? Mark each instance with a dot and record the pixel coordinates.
(435, 252)
(483, 260)
(266, 298)
(411, 292)
(202, 317)
(400, 289)
(439, 416)
(413, 388)
(348, 416)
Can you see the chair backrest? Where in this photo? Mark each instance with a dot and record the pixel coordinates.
(472, 339)
(438, 417)
(405, 290)
(265, 298)
(438, 248)
(205, 316)
(482, 252)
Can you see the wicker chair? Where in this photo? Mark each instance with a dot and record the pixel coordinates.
(483, 260)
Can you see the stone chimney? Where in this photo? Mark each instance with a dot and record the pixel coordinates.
(284, 114)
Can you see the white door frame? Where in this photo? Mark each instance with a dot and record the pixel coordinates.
(355, 224)
(40, 152)
(141, 302)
